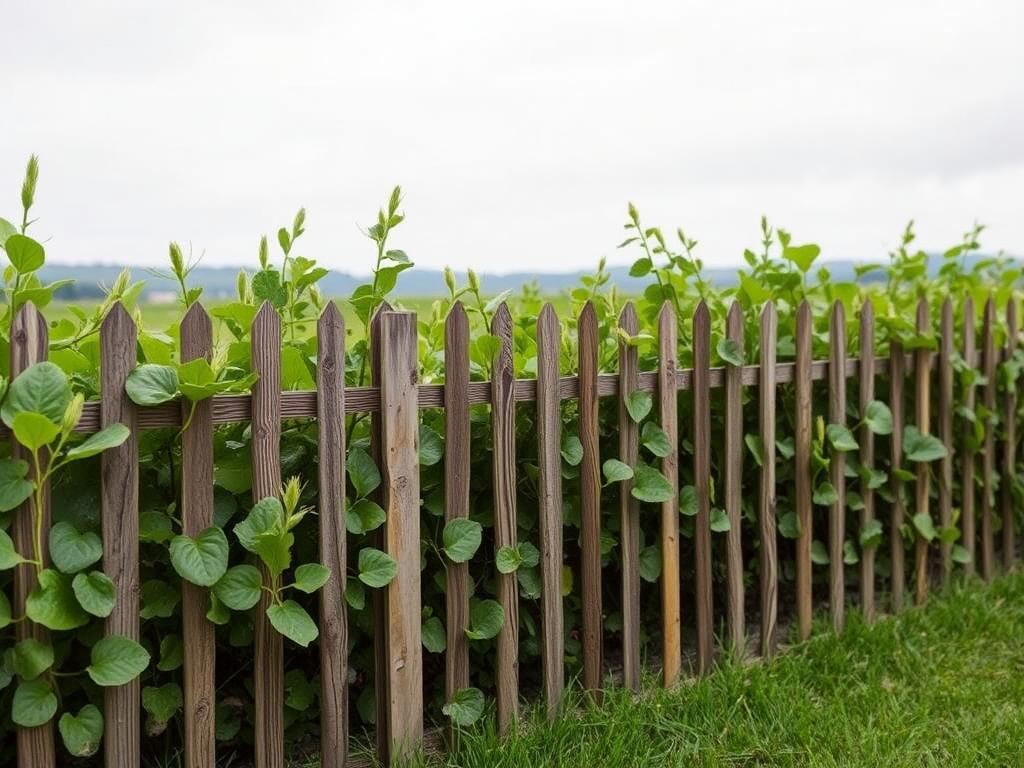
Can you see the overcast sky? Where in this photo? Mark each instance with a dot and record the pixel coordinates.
(518, 130)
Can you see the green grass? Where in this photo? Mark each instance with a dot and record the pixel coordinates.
(942, 685)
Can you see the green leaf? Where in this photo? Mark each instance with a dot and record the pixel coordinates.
(651, 485)
(461, 539)
(466, 707)
(376, 568)
(431, 446)
(117, 660)
(172, 653)
(508, 559)
(362, 472)
(159, 599)
(14, 486)
(688, 501)
(719, 521)
(161, 704)
(819, 555)
(638, 405)
(152, 384)
(34, 430)
(355, 594)
(155, 527)
(310, 577)
(650, 563)
(5, 612)
(572, 450)
(95, 593)
(841, 438)
(34, 703)
(364, 516)
(729, 351)
(274, 549)
(789, 525)
(267, 515)
(72, 551)
(755, 445)
(616, 471)
(433, 635)
(850, 554)
(266, 286)
(26, 254)
(9, 557)
(802, 256)
(83, 732)
(40, 388)
(919, 447)
(655, 440)
(486, 619)
(878, 418)
(202, 560)
(30, 658)
(960, 554)
(108, 437)
(291, 620)
(825, 495)
(52, 603)
(925, 527)
(239, 587)
(871, 534)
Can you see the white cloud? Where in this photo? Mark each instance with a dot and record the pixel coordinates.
(518, 131)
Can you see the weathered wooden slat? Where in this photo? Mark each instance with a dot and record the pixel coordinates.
(1009, 467)
(922, 408)
(29, 345)
(988, 458)
(590, 502)
(400, 479)
(456, 493)
(549, 460)
(897, 509)
(946, 433)
(967, 491)
(197, 515)
(672, 650)
(837, 512)
(802, 470)
(503, 430)
(629, 508)
(330, 384)
(734, 484)
(702, 485)
(379, 601)
(268, 670)
(766, 500)
(120, 513)
(867, 456)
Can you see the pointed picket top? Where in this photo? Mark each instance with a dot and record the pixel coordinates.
(1011, 322)
(588, 314)
(867, 312)
(803, 315)
(701, 314)
(196, 321)
(768, 312)
(28, 332)
(946, 318)
(990, 309)
(116, 317)
(922, 314)
(547, 321)
(734, 319)
(628, 320)
(457, 318)
(331, 314)
(666, 316)
(839, 310)
(501, 326)
(330, 332)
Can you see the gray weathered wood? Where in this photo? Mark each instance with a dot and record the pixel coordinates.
(837, 512)
(897, 510)
(922, 408)
(672, 649)
(629, 508)
(867, 456)
(769, 559)
(1009, 465)
(988, 458)
(802, 469)
(702, 485)
(734, 484)
(968, 459)
(946, 433)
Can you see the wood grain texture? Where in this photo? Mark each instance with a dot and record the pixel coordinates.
(672, 647)
(866, 392)
(837, 512)
(922, 415)
(766, 499)
(503, 432)
(29, 344)
(330, 385)
(120, 515)
(702, 485)
(734, 485)
(268, 670)
(456, 493)
(945, 413)
(590, 502)
(969, 456)
(988, 458)
(629, 508)
(400, 479)
(196, 515)
(549, 460)
(802, 470)
(1009, 454)
(897, 510)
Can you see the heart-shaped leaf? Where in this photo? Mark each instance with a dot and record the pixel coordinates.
(650, 485)
(310, 577)
(34, 430)
(34, 703)
(95, 593)
(616, 471)
(30, 658)
(466, 707)
(291, 620)
(152, 384)
(9, 556)
(52, 603)
(15, 486)
(83, 732)
(117, 660)
(201, 560)
(486, 618)
(239, 588)
(461, 539)
(72, 551)
(376, 568)
(40, 388)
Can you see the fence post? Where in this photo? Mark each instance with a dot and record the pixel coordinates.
(1009, 442)
(400, 475)
(629, 508)
(196, 515)
(837, 513)
(867, 455)
(802, 470)
(946, 433)
(734, 483)
(897, 374)
(590, 501)
(503, 426)
(670, 574)
(549, 460)
(967, 491)
(922, 373)
(330, 397)
(766, 502)
(702, 485)
(120, 513)
(29, 345)
(988, 460)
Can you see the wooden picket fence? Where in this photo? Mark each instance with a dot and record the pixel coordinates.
(394, 400)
